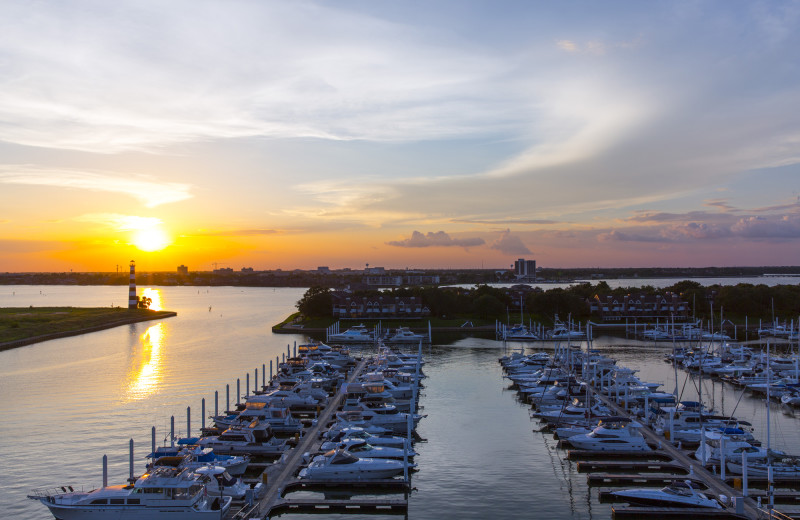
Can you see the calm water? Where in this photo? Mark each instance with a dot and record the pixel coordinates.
(69, 401)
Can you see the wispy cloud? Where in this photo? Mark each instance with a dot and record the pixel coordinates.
(234, 233)
(119, 221)
(144, 188)
(436, 239)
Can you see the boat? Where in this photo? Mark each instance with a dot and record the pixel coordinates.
(339, 464)
(404, 335)
(220, 483)
(254, 439)
(519, 332)
(782, 468)
(677, 494)
(356, 334)
(734, 448)
(194, 456)
(612, 434)
(354, 432)
(361, 448)
(165, 493)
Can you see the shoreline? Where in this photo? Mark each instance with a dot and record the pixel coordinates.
(8, 345)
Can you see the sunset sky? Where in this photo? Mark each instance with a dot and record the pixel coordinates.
(446, 134)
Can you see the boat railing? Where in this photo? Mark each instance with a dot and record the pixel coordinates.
(59, 490)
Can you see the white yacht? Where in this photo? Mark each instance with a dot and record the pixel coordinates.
(404, 335)
(354, 432)
(612, 434)
(734, 447)
(361, 448)
(386, 416)
(219, 482)
(355, 334)
(255, 439)
(677, 494)
(163, 494)
(341, 465)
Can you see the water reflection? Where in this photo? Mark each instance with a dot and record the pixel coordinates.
(155, 298)
(144, 373)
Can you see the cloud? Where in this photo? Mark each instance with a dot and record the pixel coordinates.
(510, 244)
(507, 221)
(778, 227)
(437, 239)
(624, 236)
(236, 233)
(144, 188)
(121, 222)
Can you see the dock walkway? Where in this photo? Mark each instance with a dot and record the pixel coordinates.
(280, 476)
(695, 469)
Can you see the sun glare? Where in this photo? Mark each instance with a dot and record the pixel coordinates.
(151, 239)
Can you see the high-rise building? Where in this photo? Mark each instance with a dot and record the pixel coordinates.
(525, 270)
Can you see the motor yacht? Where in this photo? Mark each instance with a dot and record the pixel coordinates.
(612, 434)
(220, 483)
(254, 439)
(341, 465)
(734, 447)
(354, 432)
(165, 493)
(361, 448)
(404, 335)
(192, 456)
(356, 334)
(677, 494)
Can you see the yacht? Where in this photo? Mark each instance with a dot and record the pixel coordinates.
(192, 456)
(404, 335)
(220, 483)
(165, 493)
(355, 334)
(254, 439)
(361, 448)
(385, 416)
(354, 432)
(519, 333)
(341, 465)
(612, 434)
(677, 494)
(733, 445)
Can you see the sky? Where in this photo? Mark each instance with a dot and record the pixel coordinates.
(403, 134)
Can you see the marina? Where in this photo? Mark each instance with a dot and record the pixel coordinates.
(464, 385)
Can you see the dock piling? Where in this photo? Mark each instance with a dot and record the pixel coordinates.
(238, 389)
(130, 461)
(105, 470)
(227, 397)
(153, 439)
(247, 385)
(188, 421)
(203, 413)
(216, 403)
(172, 431)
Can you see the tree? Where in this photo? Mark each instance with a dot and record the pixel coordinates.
(487, 306)
(144, 302)
(316, 302)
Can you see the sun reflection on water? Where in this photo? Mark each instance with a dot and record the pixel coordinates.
(155, 298)
(144, 373)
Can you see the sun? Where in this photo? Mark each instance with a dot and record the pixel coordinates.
(151, 239)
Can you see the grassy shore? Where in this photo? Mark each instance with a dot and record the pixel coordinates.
(25, 325)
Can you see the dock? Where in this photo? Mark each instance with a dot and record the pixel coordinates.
(280, 477)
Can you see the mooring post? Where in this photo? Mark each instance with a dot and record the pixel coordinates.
(288, 351)
(247, 385)
(295, 348)
(238, 390)
(172, 431)
(203, 413)
(188, 421)
(227, 398)
(264, 375)
(744, 474)
(130, 461)
(153, 441)
(216, 403)
(105, 471)
(722, 457)
(255, 380)
(270, 370)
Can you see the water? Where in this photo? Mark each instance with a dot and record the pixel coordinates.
(67, 402)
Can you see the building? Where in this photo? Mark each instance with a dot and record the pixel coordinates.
(668, 306)
(347, 306)
(525, 270)
(183, 270)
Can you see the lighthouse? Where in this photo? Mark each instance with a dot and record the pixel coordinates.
(133, 301)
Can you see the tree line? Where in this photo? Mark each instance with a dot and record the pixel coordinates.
(489, 302)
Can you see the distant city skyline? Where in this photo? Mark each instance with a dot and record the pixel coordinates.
(283, 135)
